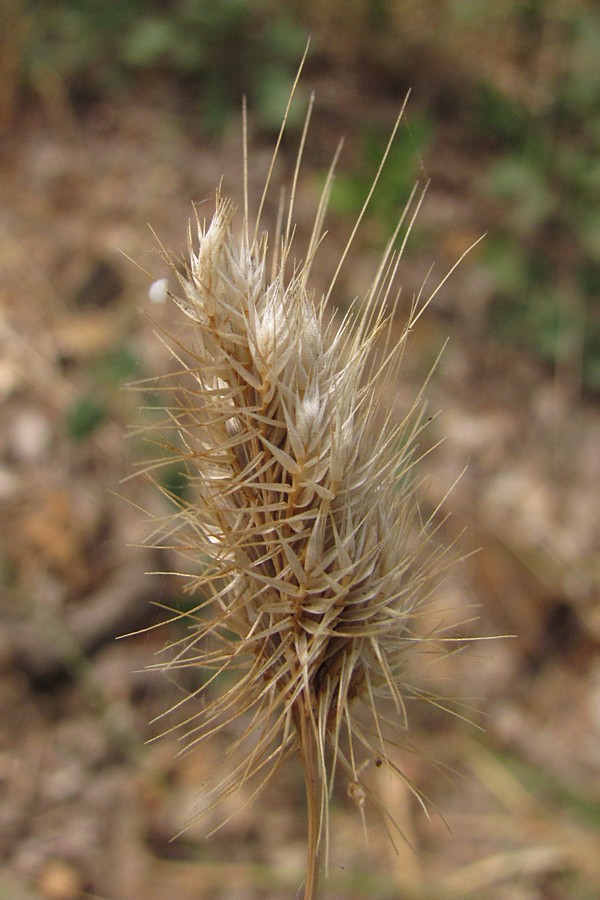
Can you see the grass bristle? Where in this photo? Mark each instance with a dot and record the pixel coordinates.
(318, 568)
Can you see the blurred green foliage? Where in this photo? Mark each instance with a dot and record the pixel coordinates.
(155, 449)
(544, 250)
(219, 50)
(401, 171)
(85, 415)
(98, 401)
(116, 367)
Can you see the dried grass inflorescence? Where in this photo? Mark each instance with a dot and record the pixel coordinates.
(316, 565)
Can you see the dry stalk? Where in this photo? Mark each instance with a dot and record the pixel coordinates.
(316, 566)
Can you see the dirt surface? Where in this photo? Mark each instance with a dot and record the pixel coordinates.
(90, 803)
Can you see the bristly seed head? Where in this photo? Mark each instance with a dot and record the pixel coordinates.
(316, 565)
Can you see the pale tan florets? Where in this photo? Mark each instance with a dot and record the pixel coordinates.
(303, 515)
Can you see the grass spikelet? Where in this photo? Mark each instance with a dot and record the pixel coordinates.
(303, 511)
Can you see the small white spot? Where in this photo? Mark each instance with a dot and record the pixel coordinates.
(158, 290)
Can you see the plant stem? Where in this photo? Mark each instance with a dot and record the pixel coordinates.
(312, 782)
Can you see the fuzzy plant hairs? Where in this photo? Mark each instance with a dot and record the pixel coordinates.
(316, 566)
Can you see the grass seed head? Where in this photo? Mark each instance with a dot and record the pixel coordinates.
(304, 513)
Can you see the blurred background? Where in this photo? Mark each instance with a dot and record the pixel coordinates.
(114, 118)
